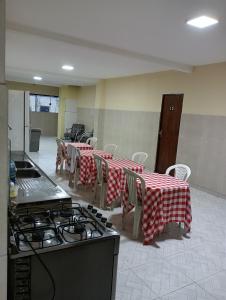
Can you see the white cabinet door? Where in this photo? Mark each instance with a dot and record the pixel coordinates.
(27, 121)
(16, 119)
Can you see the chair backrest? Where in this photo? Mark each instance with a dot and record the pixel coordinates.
(101, 165)
(85, 136)
(92, 141)
(58, 141)
(61, 147)
(111, 148)
(182, 171)
(132, 178)
(139, 157)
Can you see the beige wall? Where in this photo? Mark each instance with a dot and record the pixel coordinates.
(204, 90)
(65, 92)
(33, 88)
(86, 96)
(86, 104)
(46, 121)
(127, 113)
(85, 99)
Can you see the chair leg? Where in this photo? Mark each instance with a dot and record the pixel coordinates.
(61, 167)
(102, 195)
(75, 178)
(123, 219)
(136, 222)
(70, 179)
(95, 192)
(181, 225)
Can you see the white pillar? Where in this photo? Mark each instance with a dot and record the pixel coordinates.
(3, 158)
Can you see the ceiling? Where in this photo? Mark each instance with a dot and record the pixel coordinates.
(109, 38)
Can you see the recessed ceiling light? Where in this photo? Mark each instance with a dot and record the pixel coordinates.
(39, 78)
(202, 22)
(67, 67)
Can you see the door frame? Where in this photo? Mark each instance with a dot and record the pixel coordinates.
(181, 96)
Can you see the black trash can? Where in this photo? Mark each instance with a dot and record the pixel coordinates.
(35, 134)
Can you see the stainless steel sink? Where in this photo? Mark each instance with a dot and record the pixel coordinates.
(27, 173)
(23, 164)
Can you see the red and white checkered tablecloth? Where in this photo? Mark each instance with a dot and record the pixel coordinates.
(167, 199)
(80, 146)
(116, 177)
(71, 149)
(87, 165)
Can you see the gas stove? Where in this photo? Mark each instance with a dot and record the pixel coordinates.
(35, 229)
(53, 253)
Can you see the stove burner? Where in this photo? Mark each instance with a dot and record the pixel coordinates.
(44, 229)
(75, 228)
(45, 237)
(38, 236)
(28, 219)
(67, 213)
(35, 220)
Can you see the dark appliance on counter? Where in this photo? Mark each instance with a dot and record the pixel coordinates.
(69, 252)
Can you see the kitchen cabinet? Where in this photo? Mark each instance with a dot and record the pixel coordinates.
(18, 120)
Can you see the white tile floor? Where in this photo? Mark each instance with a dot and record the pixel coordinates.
(175, 267)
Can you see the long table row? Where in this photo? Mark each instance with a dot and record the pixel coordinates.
(167, 199)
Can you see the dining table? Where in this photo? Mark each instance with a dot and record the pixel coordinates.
(116, 179)
(72, 151)
(166, 200)
(86, 164)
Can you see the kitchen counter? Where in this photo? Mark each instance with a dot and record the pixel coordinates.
(38, 189)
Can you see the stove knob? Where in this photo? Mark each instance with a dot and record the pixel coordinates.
(103, 220)
(90, 207)
(98, 215)
(94, 210)
(108, 224)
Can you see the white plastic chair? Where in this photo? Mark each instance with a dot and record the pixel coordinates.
(92, 141)
(61, 154)
(182, 171)
(132, 178)
(111, 148)
(101, 180)
(139, 157)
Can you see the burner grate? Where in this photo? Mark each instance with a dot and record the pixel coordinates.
(79, 231)
(47, 228)
(38, 238)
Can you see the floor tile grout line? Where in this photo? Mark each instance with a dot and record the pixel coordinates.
(206, 290)
(144, 283)
(181, 288)
(166, 258)
(192, 282)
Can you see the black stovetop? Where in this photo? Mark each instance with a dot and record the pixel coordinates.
(35, 229)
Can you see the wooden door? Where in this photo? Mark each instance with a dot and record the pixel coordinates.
(169, 127)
